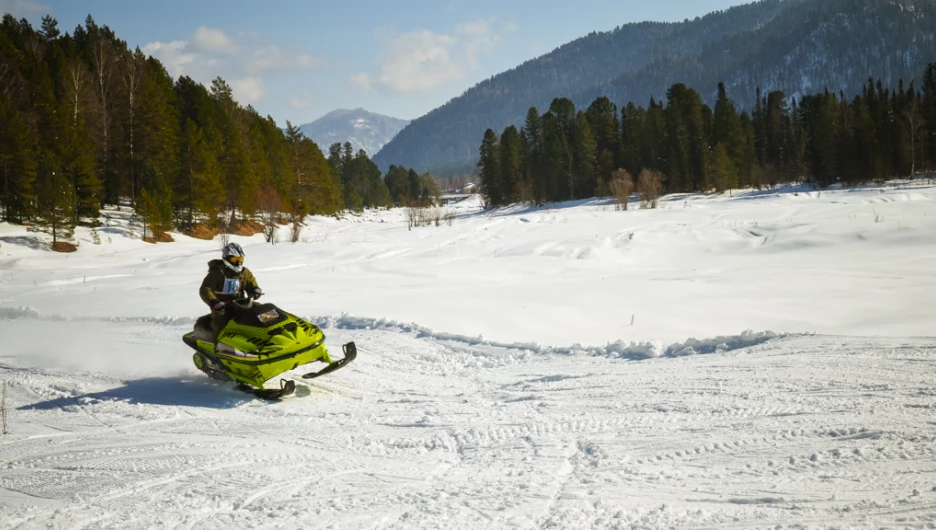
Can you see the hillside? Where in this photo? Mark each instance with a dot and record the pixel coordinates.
(798, 46)
(365, 130)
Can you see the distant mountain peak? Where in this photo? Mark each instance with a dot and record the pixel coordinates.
(365, 130)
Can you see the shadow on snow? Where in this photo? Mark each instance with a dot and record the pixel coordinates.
(25, 241)
(169, 391)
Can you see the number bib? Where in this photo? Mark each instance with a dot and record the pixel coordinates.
(231, 286)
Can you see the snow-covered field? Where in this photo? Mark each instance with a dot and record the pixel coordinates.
(526, 368)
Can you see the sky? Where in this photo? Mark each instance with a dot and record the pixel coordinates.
(298, 60)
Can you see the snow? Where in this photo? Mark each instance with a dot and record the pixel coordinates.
(757, 361)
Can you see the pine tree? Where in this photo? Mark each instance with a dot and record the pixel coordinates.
(532, 155)
(560, 157)
(236, 173)
(655, 153)
(397, 183)
(293, 138)
(335, 159)
(509, 166)
(555, 160)
(821, 113)
(414, 183)
(431, 192)
(606, 128)
(727, 125)
(325, 186)
(55, 203)
(725, 172)
(584, 150)
(352, 199)
(488, 169)
(928, 140)
(679, 138)
(50, 29)
(201, 189)
(632, 138)
(747, 165)
(17, 165)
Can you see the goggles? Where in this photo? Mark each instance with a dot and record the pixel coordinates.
(236, 260)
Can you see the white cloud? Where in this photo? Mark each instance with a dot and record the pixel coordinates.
(300, 103)
(24, 8)
(247, 90)
(274, 59)
(385, 33)
(211, 53)
(362, 81)
(422, 60)
(418, 61)
(171, 54)
(210, 40)
(479, 37)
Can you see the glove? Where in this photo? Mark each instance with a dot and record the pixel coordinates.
(218, 305)
(255, 293)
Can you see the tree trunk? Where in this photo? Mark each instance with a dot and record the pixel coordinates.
(103, 59)
(132, 77)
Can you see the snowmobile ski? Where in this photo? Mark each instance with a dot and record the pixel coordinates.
(270, 394)
(350, 353)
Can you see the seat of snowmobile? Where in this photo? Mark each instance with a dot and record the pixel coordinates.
(258, 315)
(202, 330)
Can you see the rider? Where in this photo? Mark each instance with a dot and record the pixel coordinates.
(227, 280)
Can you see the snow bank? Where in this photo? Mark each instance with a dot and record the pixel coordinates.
(620, 349)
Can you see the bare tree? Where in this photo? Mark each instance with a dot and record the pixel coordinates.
(132, 66)
(913, 119)
(271, 208)
(649, 186)
(417, 214)
(77, 86)
(295, 230)
(102, 64)
(621, 186)
(412, 214)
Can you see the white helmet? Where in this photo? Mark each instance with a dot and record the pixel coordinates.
(233, 256)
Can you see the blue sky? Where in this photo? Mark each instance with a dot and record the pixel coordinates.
(298, 60)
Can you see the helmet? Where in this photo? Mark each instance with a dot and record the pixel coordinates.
(233, 257)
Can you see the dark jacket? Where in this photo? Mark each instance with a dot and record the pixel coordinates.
(223, 284)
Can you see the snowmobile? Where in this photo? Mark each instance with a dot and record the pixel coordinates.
(258, 343)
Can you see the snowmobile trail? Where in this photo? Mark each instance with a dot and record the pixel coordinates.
(422, 432)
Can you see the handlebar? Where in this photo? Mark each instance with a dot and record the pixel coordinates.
(245, 302)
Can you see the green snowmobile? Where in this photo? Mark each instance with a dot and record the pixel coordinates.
(259, 342)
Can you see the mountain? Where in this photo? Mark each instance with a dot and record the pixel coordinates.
(797, 46)
(365, 130)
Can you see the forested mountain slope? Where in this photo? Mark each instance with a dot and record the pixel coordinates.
(798, 46)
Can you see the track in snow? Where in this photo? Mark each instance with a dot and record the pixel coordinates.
(422, 432)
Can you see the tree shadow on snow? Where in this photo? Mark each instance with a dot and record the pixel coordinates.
(168, 391)
(25, 241)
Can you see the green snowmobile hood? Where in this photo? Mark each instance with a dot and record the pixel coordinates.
(259, 345)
